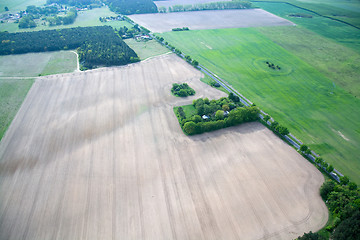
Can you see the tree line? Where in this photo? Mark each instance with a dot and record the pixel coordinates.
(234, 4)
(182, 90)
(215, 114)
(98, 45)
(343, 202)
(128, 7)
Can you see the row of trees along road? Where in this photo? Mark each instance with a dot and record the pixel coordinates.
(97, 45)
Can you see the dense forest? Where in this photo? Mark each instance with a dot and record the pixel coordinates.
(132, 6)
(97, 45)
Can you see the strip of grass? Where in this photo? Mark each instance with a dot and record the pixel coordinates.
(12, 94)
(324, 116)
(209, 81)
(338, 63)
(340, 32)
(146, 49)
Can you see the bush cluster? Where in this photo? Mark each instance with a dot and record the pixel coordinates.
(343, 201)
(182, 90)
(180, 29)
(215, 114)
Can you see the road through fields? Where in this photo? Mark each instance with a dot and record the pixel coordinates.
(100, 155)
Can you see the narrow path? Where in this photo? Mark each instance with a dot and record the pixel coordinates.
(77, 61)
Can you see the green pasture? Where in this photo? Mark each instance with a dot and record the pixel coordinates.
(84, 19)
(189, 110)
(345, 10)
(209, 81)
(146, 49)
(18, 5)
(340, 32)
(337, 62)
(320, 113)
(33, 64)
(12, 94)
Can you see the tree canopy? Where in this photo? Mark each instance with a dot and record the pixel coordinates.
(97, 45)
(128, 7)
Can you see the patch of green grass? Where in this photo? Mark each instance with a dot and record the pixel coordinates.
(33, 64)
(338, 63)
(146, 49)
(84, 19)
(340, 32)
(189, 110)
(209, 81)
(12, 94)
(321, 114)
(17, 5)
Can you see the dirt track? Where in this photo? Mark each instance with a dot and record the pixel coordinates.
(215, 19)
(100, 155)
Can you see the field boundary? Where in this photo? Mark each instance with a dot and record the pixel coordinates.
(309, 10)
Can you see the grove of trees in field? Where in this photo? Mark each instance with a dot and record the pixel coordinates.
(215, 114)
(182, 90)
(132, 6)
(96, 45)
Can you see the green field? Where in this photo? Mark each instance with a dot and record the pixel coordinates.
(12, 94)
(340, 64)
(319, 112)
(33, 64)
(84, 19)
(340, 32)
(147, 49)
(18, 5)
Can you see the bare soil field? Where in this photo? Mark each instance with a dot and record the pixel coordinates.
(100, 155)
(214, 19)
(169, 3)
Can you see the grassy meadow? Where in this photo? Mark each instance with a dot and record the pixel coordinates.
(318, 111)
(147, 49)
(34, 64)
(337, 62)
(12, 94)
(340, 32)
(18, 5)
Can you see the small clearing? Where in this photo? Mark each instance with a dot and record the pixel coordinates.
(214, 19)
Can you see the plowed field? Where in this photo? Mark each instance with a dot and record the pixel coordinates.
(100, 155)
